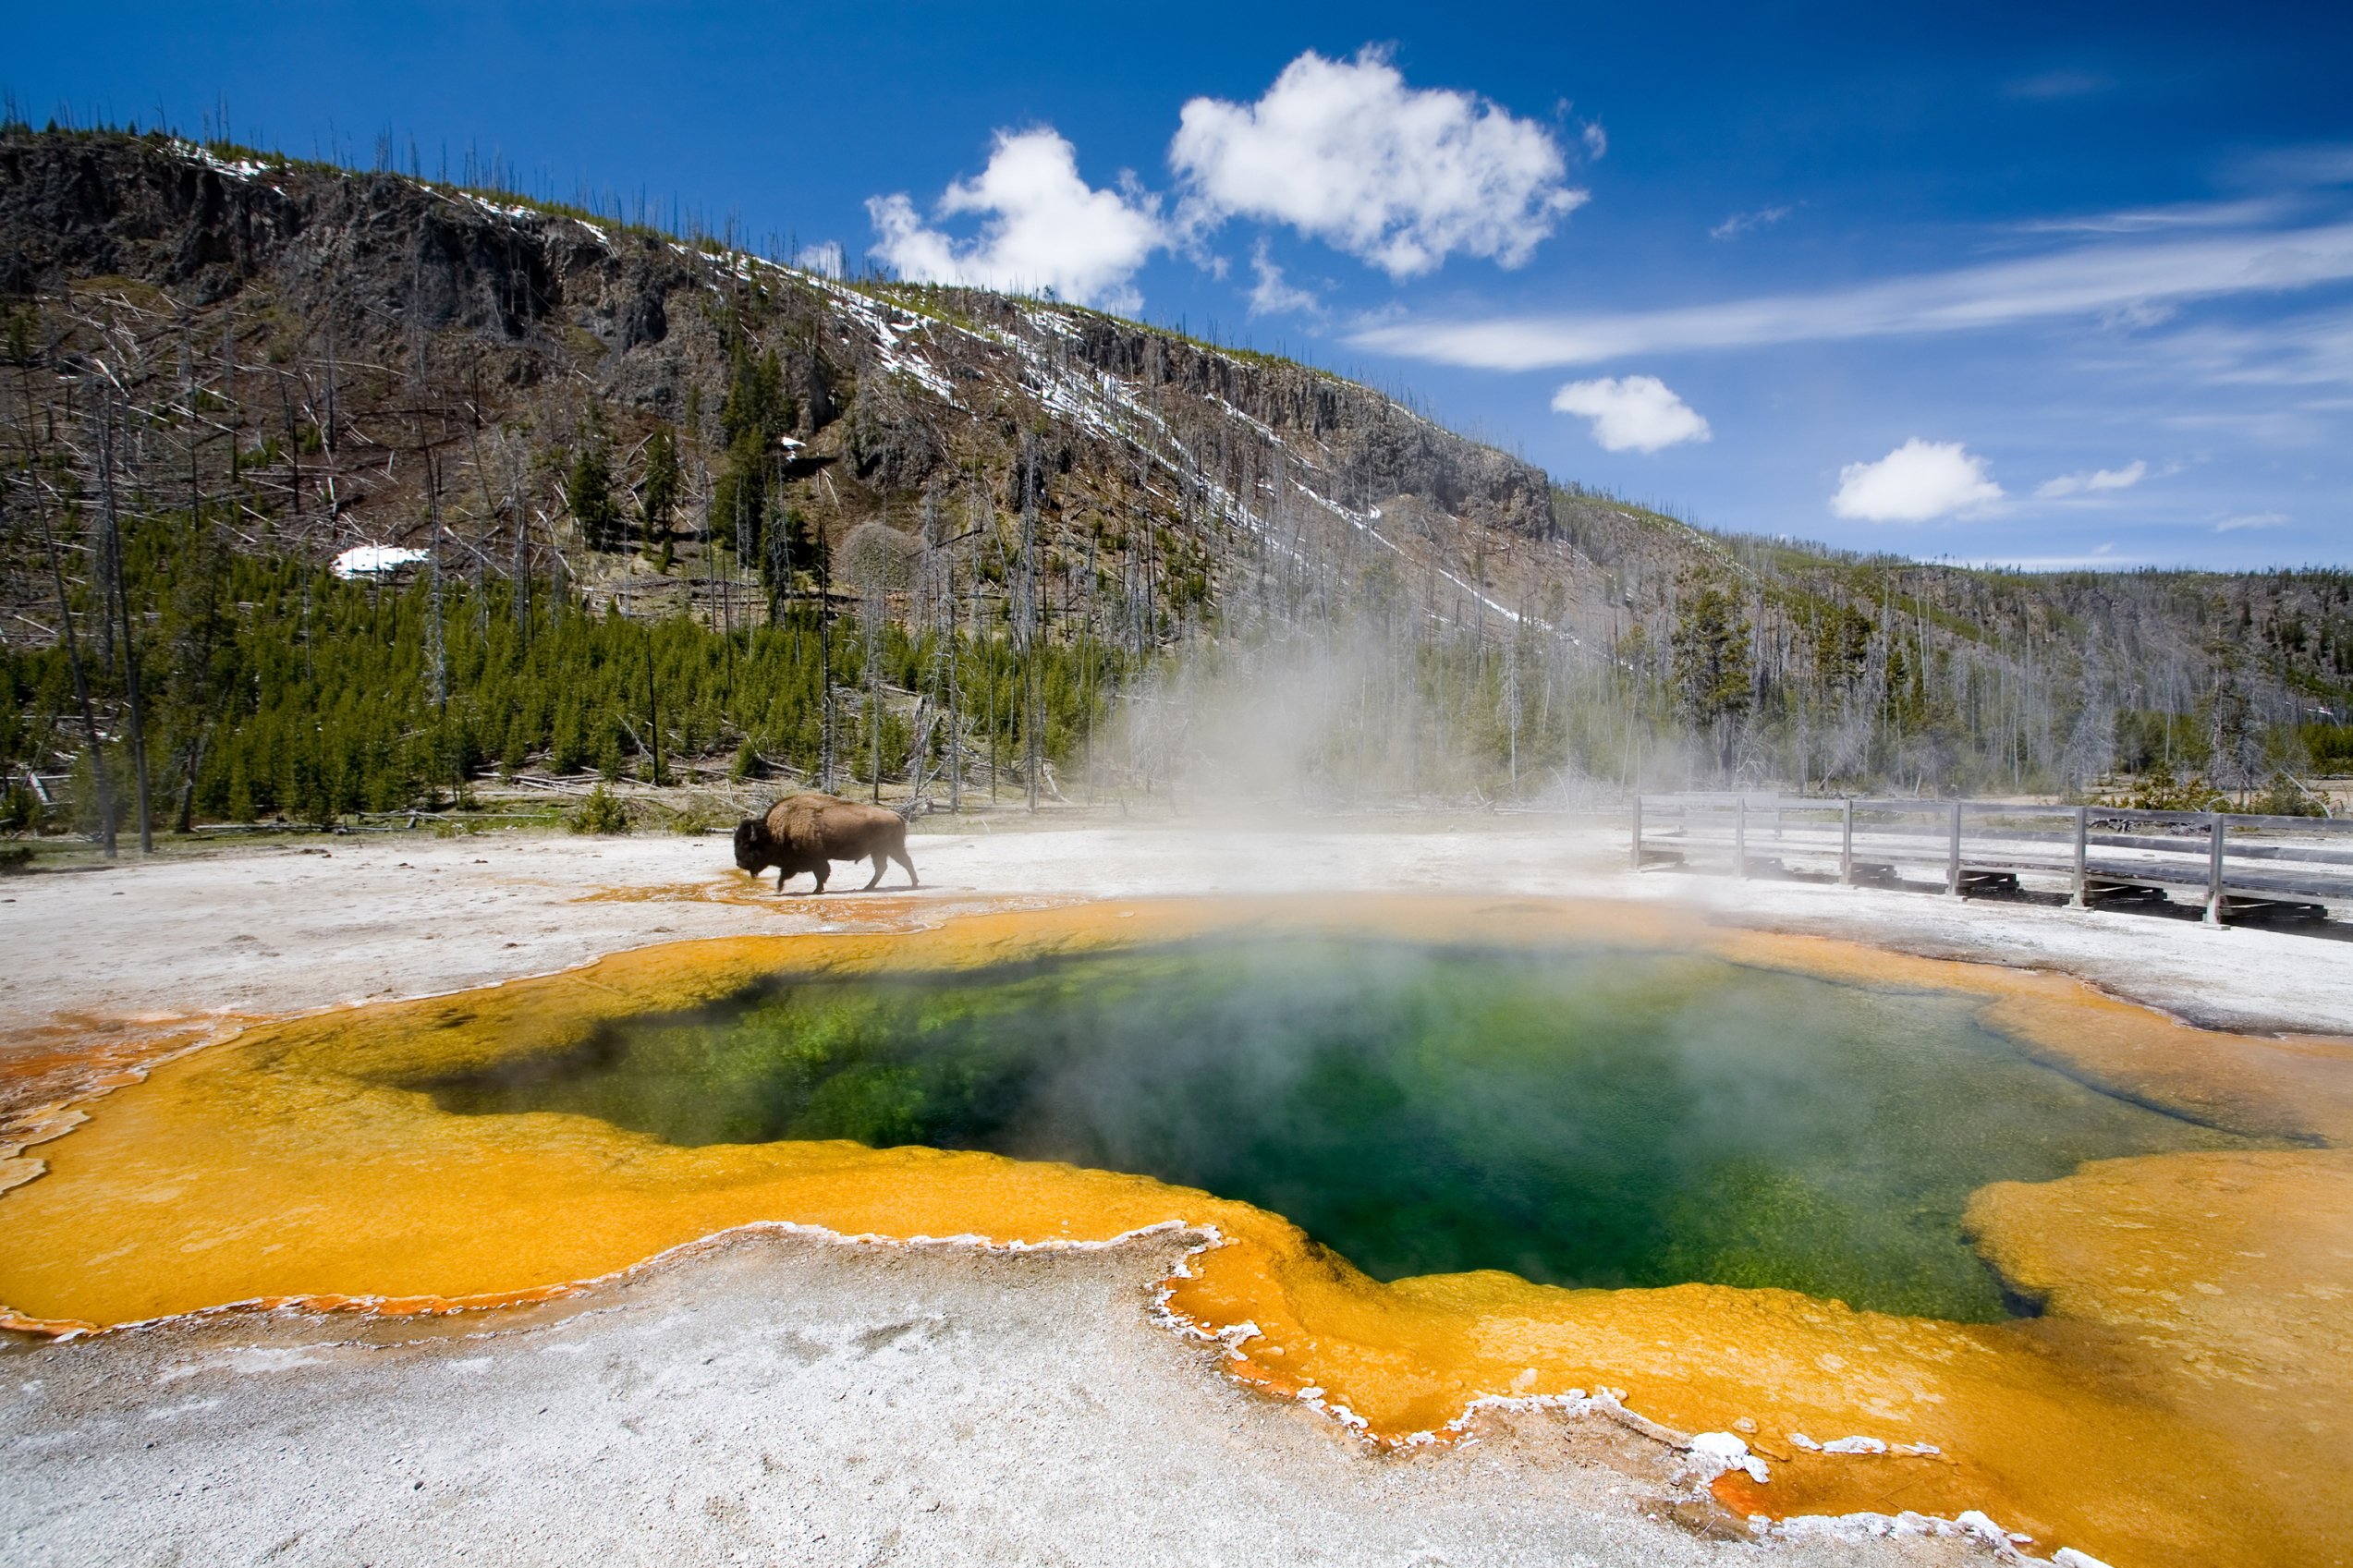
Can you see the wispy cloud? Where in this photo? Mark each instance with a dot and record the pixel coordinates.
(2061, 84)
(2313, 164)
(1739, 224)
(2102, 559)
(2253, 520)
(1273, 296)
(2097, 479)
(2311, 349)
(2285, 428)
(2242, 213)
(2114, 279)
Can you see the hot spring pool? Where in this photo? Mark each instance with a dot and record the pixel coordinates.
(1586, 1117)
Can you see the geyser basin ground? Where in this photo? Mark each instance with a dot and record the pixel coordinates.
(2145, 1419)
(1590, 1116)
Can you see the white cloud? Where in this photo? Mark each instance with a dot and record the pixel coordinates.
(1741, 223)
(1918, 480)
(1402, 178)
(1271, 296)
(2099, 478)
(1046, 228)
(1637, 414)
(2252, 521)
(2117, 278)
(1597, 141)
(823, 259)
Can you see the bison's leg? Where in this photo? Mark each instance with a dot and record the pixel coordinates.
(782, 874)
(821, 871)
(881, 864)
(912, 880)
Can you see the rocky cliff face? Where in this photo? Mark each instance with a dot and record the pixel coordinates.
(376, 316)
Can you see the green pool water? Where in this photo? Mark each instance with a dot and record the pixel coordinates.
(1586, 1117)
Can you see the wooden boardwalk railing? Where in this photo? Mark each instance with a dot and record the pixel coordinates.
(2236, 862)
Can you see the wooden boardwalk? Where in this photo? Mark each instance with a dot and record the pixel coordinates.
(2235, 863)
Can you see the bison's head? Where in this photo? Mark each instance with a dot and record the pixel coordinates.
(751, 842)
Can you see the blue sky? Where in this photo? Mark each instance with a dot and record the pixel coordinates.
(2049, 285)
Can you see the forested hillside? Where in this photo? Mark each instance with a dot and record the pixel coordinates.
(641, 506)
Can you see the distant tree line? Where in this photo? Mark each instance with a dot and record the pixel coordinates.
(274, 689)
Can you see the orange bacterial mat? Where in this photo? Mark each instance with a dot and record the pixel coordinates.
(2184, 1401)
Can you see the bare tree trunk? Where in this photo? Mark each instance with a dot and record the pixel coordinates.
(131, 645)
(874, 688)
(293, 452)
(228, 378)
(81, 683)
(955, 710)
(1032, 740)
(825, 669)
(439, 651)
(653, 713)
(103, 577)
(327, 436)
(1087, 670)
(194, 757)
(188, 784)
(711, 562)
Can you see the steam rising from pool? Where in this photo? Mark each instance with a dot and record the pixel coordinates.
(1585, 1117)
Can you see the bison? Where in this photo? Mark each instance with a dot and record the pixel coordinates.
(809, 831)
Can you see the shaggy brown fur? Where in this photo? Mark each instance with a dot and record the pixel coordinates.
(809, 831)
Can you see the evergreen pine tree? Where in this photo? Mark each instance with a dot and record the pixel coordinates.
(589, 493)
(658, 495)
(1711, 648)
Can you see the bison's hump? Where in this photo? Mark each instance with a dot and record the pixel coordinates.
(828, 826)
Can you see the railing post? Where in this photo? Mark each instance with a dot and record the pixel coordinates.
(2082, 831)
(2214, 870)
(1637, 832)
(1740, 835)
(1846, 842)
(1953, 857)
